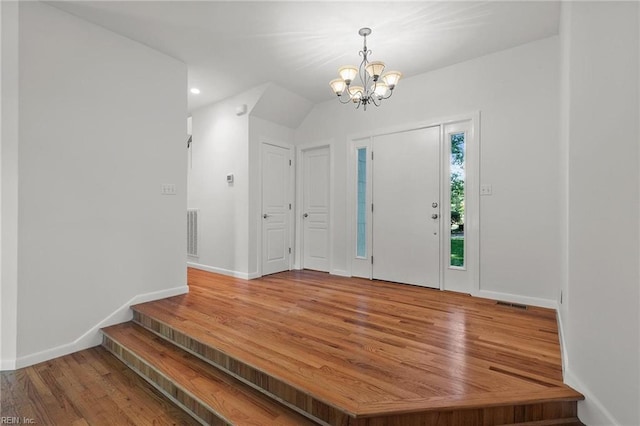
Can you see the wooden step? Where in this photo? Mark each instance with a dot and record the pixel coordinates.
(309, 403)
(202, 390)
(366, 353)
(573, 421)
(555, 406)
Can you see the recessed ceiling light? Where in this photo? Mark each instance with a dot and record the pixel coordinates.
(195, 91)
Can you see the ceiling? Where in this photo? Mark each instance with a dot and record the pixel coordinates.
(232, 46)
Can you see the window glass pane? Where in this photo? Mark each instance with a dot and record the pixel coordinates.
(457, 199)
(361, 237)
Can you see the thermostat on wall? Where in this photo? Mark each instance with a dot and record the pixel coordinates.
(230, 178)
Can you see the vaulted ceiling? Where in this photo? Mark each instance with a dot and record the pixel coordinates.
(231, 46)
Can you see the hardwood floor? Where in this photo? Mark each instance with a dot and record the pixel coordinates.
(342, 351)
(90, 387)
(365, 348)
(208, 393)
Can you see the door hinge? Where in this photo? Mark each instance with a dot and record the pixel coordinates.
(289, 162)
(372, 155)
(372, 260)
(289, 250)
(289, 206)
(371, 207)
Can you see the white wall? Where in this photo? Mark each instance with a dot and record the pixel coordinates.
(8, 183)
(221, 146)
(516, 92)
(281, 106)
(223, 142)
(601, 321)
(101, 128)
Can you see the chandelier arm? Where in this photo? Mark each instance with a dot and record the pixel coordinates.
(375, 100)
(345, 102)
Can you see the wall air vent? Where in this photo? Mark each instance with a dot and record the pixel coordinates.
(192, 232)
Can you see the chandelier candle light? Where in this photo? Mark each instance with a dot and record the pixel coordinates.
(375, 85)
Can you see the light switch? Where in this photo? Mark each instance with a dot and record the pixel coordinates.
(168, 189)
(486, 190)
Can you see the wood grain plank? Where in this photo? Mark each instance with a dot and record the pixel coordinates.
(194, 383)
(377, 347)
(70, 390)
(349, 351)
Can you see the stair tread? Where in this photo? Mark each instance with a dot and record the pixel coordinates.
(239, 348)
(231, 399)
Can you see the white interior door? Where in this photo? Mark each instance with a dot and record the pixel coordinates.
(406, 225)
(315, 209)
(276, 199)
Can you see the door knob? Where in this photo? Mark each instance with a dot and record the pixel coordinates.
(264, 216)
(434, 205)
(305, 215)
(434, 216)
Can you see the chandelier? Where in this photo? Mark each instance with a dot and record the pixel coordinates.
(374, 87)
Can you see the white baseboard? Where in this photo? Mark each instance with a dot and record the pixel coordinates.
(340, 273)
(228, 272)
(514, 298)
(7, 364)
(564, 353)
(92, 337)
(590, 411)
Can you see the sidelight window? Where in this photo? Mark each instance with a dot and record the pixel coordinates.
(361, 213)
(457, 191)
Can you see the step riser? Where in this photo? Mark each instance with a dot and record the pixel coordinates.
(271, 386)
(529, 415)
(549, 413)
(169, 389)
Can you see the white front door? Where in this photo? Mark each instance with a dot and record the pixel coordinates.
(276, 199)
(315, 209)
(406, 197)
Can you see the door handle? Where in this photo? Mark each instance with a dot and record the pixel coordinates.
(434, 216)
(264, 216)
(305, 215)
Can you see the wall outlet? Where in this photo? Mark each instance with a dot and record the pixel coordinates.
(486, 190)
(168, 189)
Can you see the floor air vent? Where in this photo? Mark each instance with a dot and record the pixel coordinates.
(192, 232)
(512, 305)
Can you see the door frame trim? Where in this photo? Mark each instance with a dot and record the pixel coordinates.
(299, 232)
(472, 225)
(291, 148)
